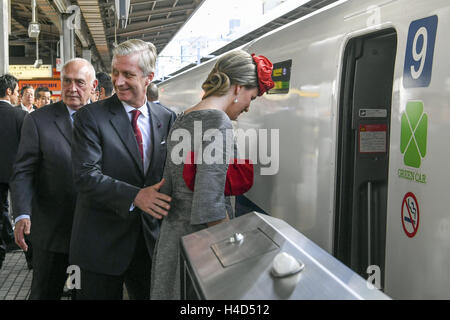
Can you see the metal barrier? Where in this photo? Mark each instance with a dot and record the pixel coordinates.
(235, 260)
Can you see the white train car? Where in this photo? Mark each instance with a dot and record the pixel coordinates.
(362, 108)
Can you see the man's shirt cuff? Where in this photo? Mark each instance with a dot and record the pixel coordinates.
(23, 216)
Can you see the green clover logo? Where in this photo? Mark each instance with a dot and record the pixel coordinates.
(413, 137)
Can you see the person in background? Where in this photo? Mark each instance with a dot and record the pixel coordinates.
(199, 186)
(105, 86)
(27, 99)
(42, 97)
(11, 120)
(152, 93)
(118, 151)
(42, 188)
(93, 97)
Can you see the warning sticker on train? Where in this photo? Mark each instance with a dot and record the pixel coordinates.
(372, 138)
(410, 214)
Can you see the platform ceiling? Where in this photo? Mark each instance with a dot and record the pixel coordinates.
(156, 21)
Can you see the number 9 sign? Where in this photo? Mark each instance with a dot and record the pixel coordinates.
(419, 52)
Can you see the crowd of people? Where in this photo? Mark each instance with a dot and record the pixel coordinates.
(92, 182)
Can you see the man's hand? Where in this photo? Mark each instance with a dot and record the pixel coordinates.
(22, 227)
(152, 202)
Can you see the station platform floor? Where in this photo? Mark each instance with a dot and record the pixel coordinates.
(15, 278)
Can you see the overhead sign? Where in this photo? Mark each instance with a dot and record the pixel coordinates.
(53, 84)
(58, 64)
(25, 71)
(410, 214)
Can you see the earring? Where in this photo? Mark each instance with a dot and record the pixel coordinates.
(235, 100)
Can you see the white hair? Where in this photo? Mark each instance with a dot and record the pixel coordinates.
(88, 64)
(146, 50)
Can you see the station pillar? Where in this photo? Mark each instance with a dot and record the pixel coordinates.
(4, 37)
(86, 52)
(67, 38)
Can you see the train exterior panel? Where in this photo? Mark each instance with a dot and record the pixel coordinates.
(393, 179)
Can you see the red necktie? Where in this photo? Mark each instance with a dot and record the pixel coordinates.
(137, 132)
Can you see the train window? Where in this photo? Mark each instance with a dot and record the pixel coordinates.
(363, 150)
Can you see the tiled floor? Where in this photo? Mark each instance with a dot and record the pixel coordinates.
(15, 278)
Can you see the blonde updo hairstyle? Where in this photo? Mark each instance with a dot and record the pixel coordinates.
(236, 67)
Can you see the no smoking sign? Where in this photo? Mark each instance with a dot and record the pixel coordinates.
(410, 214)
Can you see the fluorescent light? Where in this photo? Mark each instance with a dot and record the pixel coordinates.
(60, 4)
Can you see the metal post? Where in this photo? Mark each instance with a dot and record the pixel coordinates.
(61, 49)
(68, 41)
(4, 37)
(86, 52)
(37, 48)
(33, 11)
(369, 227)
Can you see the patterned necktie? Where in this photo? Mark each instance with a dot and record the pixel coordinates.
(71, 118)
(137, 132)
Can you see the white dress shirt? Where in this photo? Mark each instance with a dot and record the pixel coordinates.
(144, 125)
(7, 102)
(26, 109)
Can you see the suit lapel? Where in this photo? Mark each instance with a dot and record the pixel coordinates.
(63, 122)
(155, 126)
(122, 125)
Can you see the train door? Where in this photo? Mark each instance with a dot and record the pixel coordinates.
(363, 151)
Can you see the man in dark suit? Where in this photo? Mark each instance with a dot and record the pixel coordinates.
(11, 120)
(27, 98)
(42, 184)
(118, 155)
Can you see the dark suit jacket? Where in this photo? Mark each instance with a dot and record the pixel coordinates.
(19, 106)
(42, 183)
(11, 120)
(108, 174)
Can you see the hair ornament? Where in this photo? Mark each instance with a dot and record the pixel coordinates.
(264, 70)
